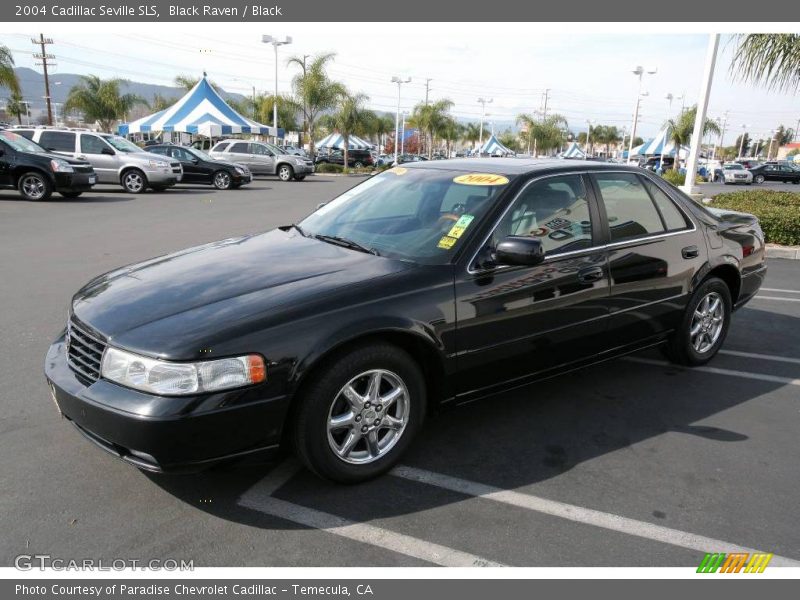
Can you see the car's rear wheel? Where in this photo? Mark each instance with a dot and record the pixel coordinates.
(759, 179)
(35, 186)
(358, 164)
(222, 180)
(704, 325)
(285, 173)
(357, 415)
(134, 181)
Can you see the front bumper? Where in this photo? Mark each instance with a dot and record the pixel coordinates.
(166, 434)
(304, 169)
(74, 182)
(163, 177)
(240, 179)
(744, 180)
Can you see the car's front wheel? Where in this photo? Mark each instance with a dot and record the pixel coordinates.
(759, 179)
(285, 173)
(704, 326)
(222, 180)
(359, 413)
(35, 186)
(134, 181)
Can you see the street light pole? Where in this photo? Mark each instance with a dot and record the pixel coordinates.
(399, 83)
(268, 39)
(483, 102)
(639, 71)
(741, 140)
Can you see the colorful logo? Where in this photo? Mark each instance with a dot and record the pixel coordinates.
(734, 562)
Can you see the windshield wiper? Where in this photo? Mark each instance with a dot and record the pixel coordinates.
(335, 239)
(296, 226)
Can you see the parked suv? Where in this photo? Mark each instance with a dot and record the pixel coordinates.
(115, 159)
(26, 166)
(263, 159)
(199, 167)
(355, 158)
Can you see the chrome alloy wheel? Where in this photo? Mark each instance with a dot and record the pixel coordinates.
(133, 182)
(707, 322)
(33, 187)
(368, 416)
(222, 180)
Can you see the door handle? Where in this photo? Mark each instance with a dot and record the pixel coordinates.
(590, 274)
(690, 252)
(81, 157)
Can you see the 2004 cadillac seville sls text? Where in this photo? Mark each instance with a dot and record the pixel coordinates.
(435, 283)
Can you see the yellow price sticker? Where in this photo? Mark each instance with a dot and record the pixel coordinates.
(446, 243)
(460, 226)
(397, 170)
(481, 179)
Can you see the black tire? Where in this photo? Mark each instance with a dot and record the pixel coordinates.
(358, 164)
(301, 177)
(70, 194)
(35, 186)
(795, 181)
(758, 179)
(285, 172)
(320, 396)
(679, 348)
(133, 181)
(221, 180)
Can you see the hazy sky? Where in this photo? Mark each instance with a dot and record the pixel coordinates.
(589, 75)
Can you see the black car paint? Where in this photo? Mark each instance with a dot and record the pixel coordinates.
(336, 157)
(14, 163)
(200, 170)
(774, 172)
(297, 301)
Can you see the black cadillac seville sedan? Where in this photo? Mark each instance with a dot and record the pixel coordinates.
(429, 284)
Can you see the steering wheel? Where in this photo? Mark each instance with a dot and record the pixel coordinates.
(447, 219)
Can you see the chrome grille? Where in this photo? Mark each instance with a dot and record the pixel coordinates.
(84, 352)
(176, 167)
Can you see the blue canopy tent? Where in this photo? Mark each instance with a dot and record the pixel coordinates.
(202, 111)
(493, 147)
(662, 145)
(336, 140)
(573, 151)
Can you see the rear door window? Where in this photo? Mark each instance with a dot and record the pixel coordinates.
(673, 217)
(629, 208)
(220, 147)
(239, 148)
(58, 141)
(91, 144)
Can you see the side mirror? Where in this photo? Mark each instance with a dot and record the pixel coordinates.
(108, 151)
(519, 250)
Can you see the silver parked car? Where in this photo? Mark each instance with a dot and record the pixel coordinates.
(735, 173)
(114, 159)
(263, 159)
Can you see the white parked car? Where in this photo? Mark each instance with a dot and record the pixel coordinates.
(734, 173)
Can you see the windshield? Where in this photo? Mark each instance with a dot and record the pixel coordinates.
(422, 215)
(275, 149)
(121, 144)
(19, 143)
(200, 154)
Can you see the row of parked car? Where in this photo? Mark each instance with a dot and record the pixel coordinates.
(42, 161)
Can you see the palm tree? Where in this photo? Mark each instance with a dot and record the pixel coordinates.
(16, 106)
(769, 59)
(606, 135)
(315, 91)
(187, 82)
(471, 133)
(161, 102)
(431, 118)
(350, 118)
(288, 109)
(100, 100)
(381, 126)
(681, 129)
(544, 134)
(8, 77)
(451, 131)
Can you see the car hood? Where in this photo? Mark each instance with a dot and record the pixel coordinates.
(172, 302)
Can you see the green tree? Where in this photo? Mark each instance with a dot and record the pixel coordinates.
(379, 127)
(769, 59)
(315, 90)
(680, 130)
(350, 118)
(542, 134)
(509, 140)
(100, 100)
(8, 77)
(288, 109)
(431, 118)
(16, 106)
(744, 145)
(451, 131)
(471, 133)
(187, 82)
(606, 135)
(161, 102)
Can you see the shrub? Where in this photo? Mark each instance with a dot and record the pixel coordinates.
(778, 212)
(674, 177)
(329, 168)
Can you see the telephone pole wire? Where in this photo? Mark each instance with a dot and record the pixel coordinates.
(43, 42)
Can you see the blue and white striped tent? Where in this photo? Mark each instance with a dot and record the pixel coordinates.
(493, 147)
(202, 111)
(662, 145)
(573, 151)
(336, 140)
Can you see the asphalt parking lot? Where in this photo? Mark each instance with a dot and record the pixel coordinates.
(631, 463)
(712, 189)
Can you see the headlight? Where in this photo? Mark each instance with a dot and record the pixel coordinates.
(175, 379)
(157, 164)
(61, 166)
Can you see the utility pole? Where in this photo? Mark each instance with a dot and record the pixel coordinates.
(427, 89)
(721, 134)
(43, 56)
(544, 108)
(483, 102)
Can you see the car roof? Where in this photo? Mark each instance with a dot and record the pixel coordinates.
(519, 166)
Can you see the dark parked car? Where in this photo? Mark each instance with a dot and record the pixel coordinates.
(36, 173)
(355, 158)
(433, 283)
(654, 162)
(775, 172)
(749, 163)
(199, 167)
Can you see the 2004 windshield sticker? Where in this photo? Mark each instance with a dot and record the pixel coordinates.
(456, 231)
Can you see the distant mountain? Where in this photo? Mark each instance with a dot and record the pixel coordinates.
(32, 83)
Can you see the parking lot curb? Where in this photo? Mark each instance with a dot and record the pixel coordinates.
(790, 252)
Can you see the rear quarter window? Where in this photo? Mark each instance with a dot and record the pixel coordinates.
(221, 147)
(59, 141)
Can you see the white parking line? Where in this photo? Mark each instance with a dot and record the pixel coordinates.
(761, 356)
(717, 371)
(779, 290)
(260, 498)
(579, 514)
(760, 297)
